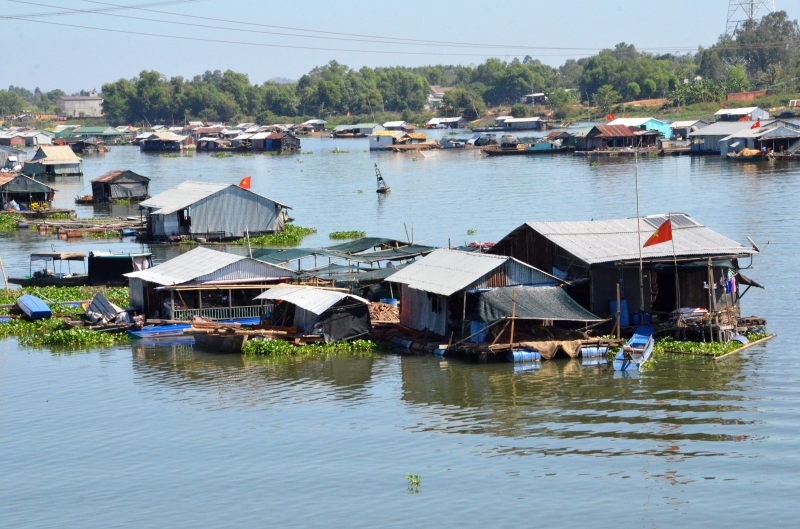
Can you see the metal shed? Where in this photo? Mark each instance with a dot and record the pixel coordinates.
(120, 184)
(54, 160)
(219, 211)
(23, 190)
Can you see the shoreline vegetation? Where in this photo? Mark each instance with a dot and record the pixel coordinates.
(620, 80)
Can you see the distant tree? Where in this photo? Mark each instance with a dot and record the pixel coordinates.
(407, 115)
(606, 97)
(10, 103)
(520, 110)
(633, 90)
(736, 79)
(711, 66)
(461, 102)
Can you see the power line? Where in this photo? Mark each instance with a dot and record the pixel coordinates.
(96, 11)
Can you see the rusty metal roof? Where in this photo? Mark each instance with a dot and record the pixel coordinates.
(112, 175)
(613, 131)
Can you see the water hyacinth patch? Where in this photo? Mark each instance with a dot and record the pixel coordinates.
(290, 236)
(341, 235)
(8, 221)
(703, 348)
(281, 348)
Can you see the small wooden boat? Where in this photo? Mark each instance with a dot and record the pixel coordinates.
(47, 277)
(382, 187)
(636, 351)
(220, 343)
(33, 307)
(85, 199)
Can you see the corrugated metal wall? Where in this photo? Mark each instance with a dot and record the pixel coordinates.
(136, 286)
(416, 311)
(246, 269)
(232, 210)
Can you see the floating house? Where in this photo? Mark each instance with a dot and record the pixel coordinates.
(596, 256)
(396, 125)
(275, 142)
(211, 211)
(535, 123)
(387, 139)
(356, 130)
(644, 124)
(772, 137)
(602, 137)
(105, 133)
(10, 139)
(108, 268)
(537, 98)
(11, 157)
(203, 283)
(121, 184)
(34, 138)
(165, 141)
(436, 95)
(707, 139)
(434, 290)
(54, 160)
(312, 125)
(334, 315)
(686, 127)
(24, 191)
(741, 114)
(447, 123)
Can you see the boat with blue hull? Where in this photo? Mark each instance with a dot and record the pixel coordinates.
(636, 351)
(33, 307)
(176, 329)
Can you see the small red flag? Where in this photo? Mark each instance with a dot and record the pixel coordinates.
(662, 234)
(610, 117)
(756, 125)
(245, 183)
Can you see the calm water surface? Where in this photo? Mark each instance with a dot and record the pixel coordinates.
(150, 436)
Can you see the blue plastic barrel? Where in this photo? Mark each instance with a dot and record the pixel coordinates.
(636, 318)
(524, 356)
(476, 327)
(390, 301)
(624, 320)
(646, 318)
(593, 351)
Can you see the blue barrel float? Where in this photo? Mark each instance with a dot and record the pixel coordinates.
(524, 355)
(593, 351)
(624, 319)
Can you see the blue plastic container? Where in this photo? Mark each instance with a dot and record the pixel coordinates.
(593, 351)
(624, 319)
(477, 326)
(524, 356)
(636, 318)
(390, 301)
(646, 318)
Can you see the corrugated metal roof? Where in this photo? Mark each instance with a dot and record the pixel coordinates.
(447, 271)
(200, 262)
(613, 131)
(723, 128)
(602, 241)
(112, 175)
(387, 133)
(311, 299)
(685, 123)
(417, 135)
(394, 123)
(52, 154)
(522, 120)
(632, 122)
(182, 195)
(735, 111)
(8, 177)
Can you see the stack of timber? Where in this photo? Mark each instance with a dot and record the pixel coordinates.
(383, 313)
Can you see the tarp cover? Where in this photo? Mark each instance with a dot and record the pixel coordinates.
(541, 303)
(364, 244)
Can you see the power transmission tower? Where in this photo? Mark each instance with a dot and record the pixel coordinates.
(740, 11)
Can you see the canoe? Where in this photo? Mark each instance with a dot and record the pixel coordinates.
(48, 280)
(636, 352)
(220, 343)
(33, 307)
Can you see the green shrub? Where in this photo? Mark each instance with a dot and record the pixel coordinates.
(343, 235)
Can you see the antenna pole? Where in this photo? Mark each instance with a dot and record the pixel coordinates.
(639, 234)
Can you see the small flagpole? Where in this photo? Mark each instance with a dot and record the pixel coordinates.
(639, 233)
(675, 261)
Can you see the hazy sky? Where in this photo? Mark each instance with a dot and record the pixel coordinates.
(74, 58)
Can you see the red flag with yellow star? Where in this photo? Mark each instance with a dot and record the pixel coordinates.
(662, 234)
(245, 183)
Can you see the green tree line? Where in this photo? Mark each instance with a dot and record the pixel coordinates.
(760, 54)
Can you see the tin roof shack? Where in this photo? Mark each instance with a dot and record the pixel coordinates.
(312, 125)
(208, 210)
(774, 137)
(107, 268)
(447, 123)
(205, 283)
(603, 137)
(165, 141)
(54, 160)
(644, 124)
(741, 114)
(106, 133)
(396, 125)
(682, 129)
(594, 256)
(433, 291)
(535, 123)
(358, 130)
(11, 157)
(383, 140)
(119, 185)
(10, 139)
(537, 98)
(708, 138)
(282, 142)
(90, 106)
(24, 191)
(33, 138)
(334, 315)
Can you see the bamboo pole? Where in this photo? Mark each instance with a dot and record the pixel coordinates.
(619, 313)
(3, 268)
(513, 317)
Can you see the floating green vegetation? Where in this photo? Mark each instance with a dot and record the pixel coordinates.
(170, 155)
(188, 242)
(413, 483)
(54, 295)
(246, 154)
(58, 216)
(54, 333)
(594, 164)
(290, 236)
(122, 201)
(703, 348)
(276, 153)
(360, 191)
(8, 221)
(472, 232)
(307, 152)
(343, 235)
(280, 348)
(104, 234)
(221, 155)
(337, 151)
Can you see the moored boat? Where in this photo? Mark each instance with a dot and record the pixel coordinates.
(48, 277)
(220, 343)
(33, 307)
(636, 352)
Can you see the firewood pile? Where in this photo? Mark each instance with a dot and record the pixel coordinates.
(383, 312)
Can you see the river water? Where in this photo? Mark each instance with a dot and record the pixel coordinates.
(151, 436)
